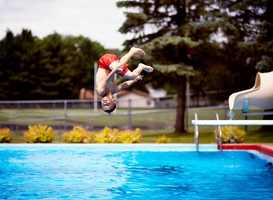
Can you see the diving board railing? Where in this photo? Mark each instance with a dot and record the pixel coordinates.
(218, 123)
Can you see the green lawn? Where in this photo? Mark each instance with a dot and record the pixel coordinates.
(140, 117)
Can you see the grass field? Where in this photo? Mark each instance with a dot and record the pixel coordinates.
(152, 118)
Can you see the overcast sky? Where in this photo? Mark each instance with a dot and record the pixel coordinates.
(99, 20)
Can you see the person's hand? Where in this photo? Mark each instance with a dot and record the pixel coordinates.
(137, 51)
(140, 77)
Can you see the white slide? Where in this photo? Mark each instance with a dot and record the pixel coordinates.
(260, 97)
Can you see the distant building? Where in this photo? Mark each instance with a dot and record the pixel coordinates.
(138, 99)
(86, 94)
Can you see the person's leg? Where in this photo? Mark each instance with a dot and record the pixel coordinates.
(117, 66)
(131, 75)
(124, 60)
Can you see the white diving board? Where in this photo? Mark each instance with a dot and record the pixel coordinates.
(218, 123)
(232, 122)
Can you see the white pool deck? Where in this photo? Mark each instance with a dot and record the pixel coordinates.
(268, 145)
(126, 147)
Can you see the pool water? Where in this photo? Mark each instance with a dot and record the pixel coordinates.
(136, 172)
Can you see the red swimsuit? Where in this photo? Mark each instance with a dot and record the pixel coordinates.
(107, 59)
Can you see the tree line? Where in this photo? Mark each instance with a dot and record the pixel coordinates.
(54, 67)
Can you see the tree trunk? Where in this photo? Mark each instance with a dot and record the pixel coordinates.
(181, 104)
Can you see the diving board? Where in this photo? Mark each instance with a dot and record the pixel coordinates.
(232, 122)
(218, 123)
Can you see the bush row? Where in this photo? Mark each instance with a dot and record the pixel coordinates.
(45, 134)
(80, 135)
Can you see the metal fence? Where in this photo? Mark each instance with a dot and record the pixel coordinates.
(64, 114)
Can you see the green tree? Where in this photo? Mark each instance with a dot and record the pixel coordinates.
(55, 67)
(173, 32)
(53, 76)
(70, 65)
(19, 57)
(183, 36)
(6, 64)
(244, 19)
(264, 40)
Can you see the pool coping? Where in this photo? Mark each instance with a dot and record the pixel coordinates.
(258, 147)
(266, 148)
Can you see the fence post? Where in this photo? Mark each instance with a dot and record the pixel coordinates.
(65, 113)
(167, 118)
(129, 125)
(95, 92)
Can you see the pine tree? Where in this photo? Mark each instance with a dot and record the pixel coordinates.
(181, 37)
(172, 32)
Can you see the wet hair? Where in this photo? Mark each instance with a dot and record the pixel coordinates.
(111, 110)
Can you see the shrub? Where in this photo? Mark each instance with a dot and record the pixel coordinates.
(128, 136)
(5, 135)
(39, 134)
(78, 135)
(163, 139)
(232, 134)
(108, 135)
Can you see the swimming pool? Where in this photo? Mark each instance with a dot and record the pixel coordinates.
(132, 172)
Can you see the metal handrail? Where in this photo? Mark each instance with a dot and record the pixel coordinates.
(196, 137)
(217, 138)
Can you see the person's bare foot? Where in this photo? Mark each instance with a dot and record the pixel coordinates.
(138, 51)
(147, 68)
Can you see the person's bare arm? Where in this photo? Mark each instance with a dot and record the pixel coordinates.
(127, 84)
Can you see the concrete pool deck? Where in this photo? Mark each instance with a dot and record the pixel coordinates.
(268, 145)
(265, 148)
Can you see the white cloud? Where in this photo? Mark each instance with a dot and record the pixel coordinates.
(98, 20)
